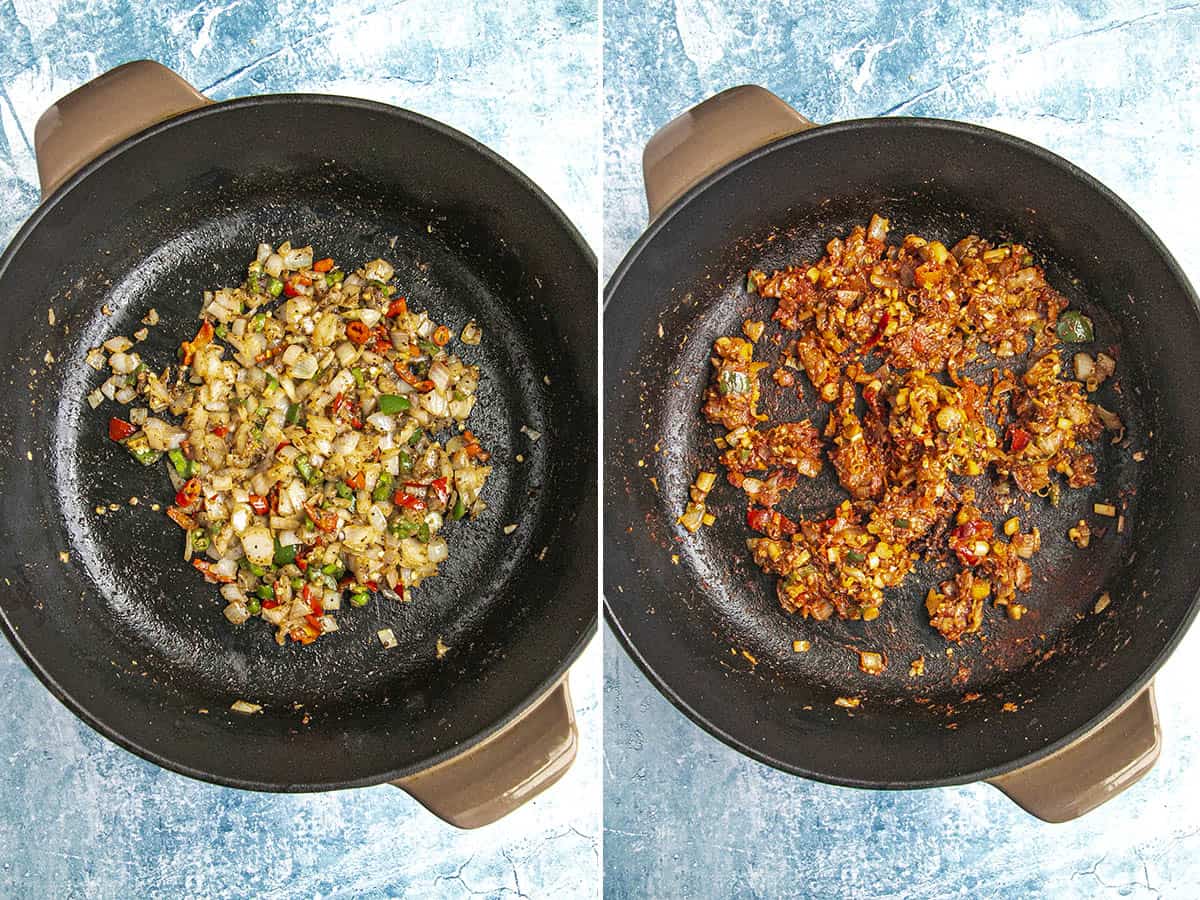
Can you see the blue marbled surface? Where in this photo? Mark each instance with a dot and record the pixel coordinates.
(1114, 87)
(80, 817)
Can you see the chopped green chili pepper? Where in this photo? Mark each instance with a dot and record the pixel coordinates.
(901, 523)
(333, 568)
(335, 277)
(274, 287)
(293, 414)
(423, 533)
(253, 568)
(145, 455)
(1027, 260)
(254, 606)
(359, 598)
(406, 463)
(221, 331)
(733, 383)
(376, 283)
(459, 395)
(199, 540)
(855, 556)
(285, 555)
(344, 492)
(402, 528)
(359, 380)
(460, 508)
(259, 322)
(297, 583)
(1075, 328)
(330, 582)
(416, 437)
(265, 592)
(304, 467)
(390, 404)
(427, 347)
(383, 488)
(183, 465)
(272, 384)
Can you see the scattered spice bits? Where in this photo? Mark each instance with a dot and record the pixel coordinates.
(695, 513)
(848, 702)
(1102, 603)
(1080, 534)
(64, 557)
(750, 656)
(1009, 707)
(387, 637)
(871, 662)
(801, 646)
(509, 529)
(243, 706)
(441, 648)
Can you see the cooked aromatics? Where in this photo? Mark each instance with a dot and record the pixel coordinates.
(314, 431)
(924, 312)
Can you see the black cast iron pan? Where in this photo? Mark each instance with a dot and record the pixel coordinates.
(1055, 709)
(135, 643)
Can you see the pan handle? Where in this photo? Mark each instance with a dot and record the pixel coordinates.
(104, 112)
(696, 143)
(1092, 770)
(505, 771)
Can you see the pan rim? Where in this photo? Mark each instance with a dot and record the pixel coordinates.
(588, 624)
(918, 124)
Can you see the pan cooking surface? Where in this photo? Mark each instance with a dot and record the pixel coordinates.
(134, 555)
(744, 597)
(705, 623)
(130, 636)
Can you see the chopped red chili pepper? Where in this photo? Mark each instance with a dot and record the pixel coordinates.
(258, 503)
(769, 522)
(408, 500)
(281, 445)
(203, 565)
(358, 480)
(313, 622)
(189, 493)
(372, 585)
(441, 489)
(273, 497)
(422, 385)
(119, 429)
(270, 604)
(220, 431)
(203, 338)
(301, 563)
(965, 537)
(323, 265)
(441, 336)
(358, 332)
(326, 521)
(398, 307)
(1019, 437)
(879, 330)
(180, 518)
(338, 402)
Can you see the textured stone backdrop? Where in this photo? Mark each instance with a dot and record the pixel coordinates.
(1115, 88)
(80, 817)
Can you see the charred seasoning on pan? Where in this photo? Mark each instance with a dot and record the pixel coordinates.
(920, 312)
